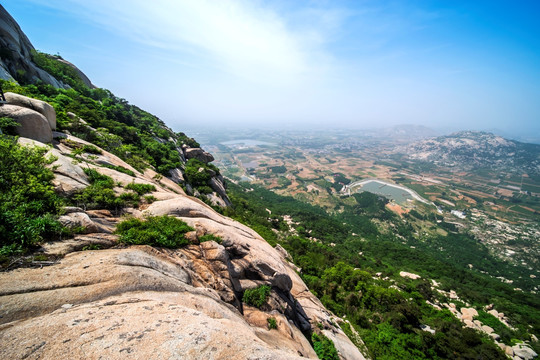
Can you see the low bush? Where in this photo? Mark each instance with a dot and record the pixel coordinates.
(100, 193)
(150, 199)
(141, 189)
(99, 179)
(91, 149)
(163, 231)
(256, 297)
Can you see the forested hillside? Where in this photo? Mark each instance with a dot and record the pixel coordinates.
(354, 268)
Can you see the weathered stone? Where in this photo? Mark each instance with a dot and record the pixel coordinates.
(468, 313)
(80, 221)
(34, 104)
(218, 187)
(524, 352)
(199, 154)
(143, 324)
(281, 251)
(176, 175)
(487, 329)
(72, 209)
(33, 125)
(80, 242)
(67, 186)
(409, 275)
(191, 236)
(469, 323)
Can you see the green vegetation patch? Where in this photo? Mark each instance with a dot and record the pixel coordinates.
(257, 297)
(272, 323)
(324, 347)
(161, 231)
(141, 189)
(28, 203)
(100, 193)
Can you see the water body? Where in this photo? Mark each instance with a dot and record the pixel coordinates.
(246, 142)
(389, 191)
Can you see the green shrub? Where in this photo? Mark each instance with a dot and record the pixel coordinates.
(8, 126)
(184, 139)
(95, 196)
(99, 179)
(150, 199)
(141, 189)
(256, 297)
(164, 231)
(205, 189)
(28, 203)
(272, 323)
(210, 237)
(324, 347)
(130, 197)
(91, 149)
(197, 172)
(100, 193)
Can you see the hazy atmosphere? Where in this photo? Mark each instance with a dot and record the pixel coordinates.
(447, 65)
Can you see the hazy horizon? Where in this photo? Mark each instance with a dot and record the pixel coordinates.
(348, 64)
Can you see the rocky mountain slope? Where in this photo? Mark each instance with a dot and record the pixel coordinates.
(16, 56)
(150, 302)
(91, 296)
(471, 149)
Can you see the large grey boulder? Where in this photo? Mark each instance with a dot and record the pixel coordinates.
(199, 154)
(219, 188)
(82, 222)
(33, 125)
(41, 107)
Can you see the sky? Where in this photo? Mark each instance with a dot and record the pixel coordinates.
(453, 65)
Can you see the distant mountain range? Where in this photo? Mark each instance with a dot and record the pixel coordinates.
(472, 149)
(402, 133)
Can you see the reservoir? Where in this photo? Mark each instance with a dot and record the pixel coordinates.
(246, 142)
(401, 195)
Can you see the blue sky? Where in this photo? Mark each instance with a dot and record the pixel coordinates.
(445, 64)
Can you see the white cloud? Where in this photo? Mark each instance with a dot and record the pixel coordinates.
(245, 38)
